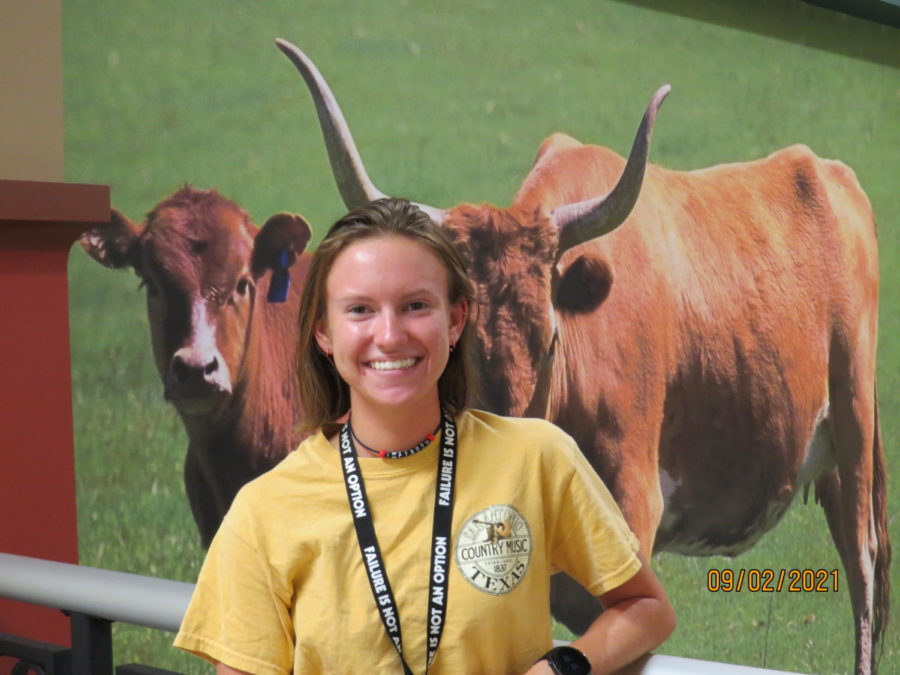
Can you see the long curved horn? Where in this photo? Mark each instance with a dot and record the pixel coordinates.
(349, 172)
(347, 166)
(591, 218)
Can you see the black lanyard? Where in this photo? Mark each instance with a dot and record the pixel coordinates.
(440, 540)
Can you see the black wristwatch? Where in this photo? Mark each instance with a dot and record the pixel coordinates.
(567, 661)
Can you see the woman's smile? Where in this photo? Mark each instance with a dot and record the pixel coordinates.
(402, 364)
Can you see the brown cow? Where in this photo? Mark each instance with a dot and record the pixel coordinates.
(708, 338)
(225, 355)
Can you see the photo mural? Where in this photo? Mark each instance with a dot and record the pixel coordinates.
(674, 224)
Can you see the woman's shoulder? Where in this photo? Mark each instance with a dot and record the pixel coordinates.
(301, 464)
(524, 431)
(275, 494)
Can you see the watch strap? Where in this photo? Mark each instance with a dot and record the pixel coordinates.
(567, 660)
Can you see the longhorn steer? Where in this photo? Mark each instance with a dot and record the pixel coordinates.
(226, 356)
(707, 337)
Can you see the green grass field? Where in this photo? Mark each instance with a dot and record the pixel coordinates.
(449, 103)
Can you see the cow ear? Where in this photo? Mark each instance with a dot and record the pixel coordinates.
(111, 244)
(279, 242)
(584, 285)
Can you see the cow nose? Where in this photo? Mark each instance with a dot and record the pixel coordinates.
(196, 379)
(184, 368)
(211, 367)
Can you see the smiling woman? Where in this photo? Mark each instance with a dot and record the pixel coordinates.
(384, 271)
(390, 342)
(384, 325)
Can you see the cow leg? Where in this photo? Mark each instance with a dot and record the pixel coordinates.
(846, 494)
(201, 499)
(828, 493)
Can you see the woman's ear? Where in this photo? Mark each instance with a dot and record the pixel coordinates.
(459, 314)
(323, 339)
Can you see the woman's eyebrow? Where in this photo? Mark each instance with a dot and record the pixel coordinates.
(406, 295)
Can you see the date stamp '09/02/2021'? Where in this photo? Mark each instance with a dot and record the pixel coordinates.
(772, 581)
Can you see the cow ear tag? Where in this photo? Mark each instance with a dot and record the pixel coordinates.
(281, 279)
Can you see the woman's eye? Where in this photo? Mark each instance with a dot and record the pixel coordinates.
(243, 286)
(357, 309)
(418, 305)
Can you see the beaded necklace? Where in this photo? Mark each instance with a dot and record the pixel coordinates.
(396, 454)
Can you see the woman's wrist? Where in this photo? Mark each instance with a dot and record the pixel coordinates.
(567, 660)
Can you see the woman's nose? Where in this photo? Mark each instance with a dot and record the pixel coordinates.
(389, 329)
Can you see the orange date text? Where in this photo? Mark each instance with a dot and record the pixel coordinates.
(772, 581)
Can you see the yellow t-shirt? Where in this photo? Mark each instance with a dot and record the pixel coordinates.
(284, 589)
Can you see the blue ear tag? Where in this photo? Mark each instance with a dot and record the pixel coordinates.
(281, 280)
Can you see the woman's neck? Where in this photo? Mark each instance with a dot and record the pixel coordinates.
(394, 428)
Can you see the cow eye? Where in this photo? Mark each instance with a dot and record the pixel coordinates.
(150, 286)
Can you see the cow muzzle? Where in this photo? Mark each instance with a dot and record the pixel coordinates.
(197, 380)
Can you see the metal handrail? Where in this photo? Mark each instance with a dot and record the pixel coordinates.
(116, 596)
(161, 603)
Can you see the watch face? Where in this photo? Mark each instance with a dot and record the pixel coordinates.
(570, 661)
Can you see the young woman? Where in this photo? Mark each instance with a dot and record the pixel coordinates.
(410, 533)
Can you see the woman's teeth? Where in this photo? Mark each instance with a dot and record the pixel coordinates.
(393, 365)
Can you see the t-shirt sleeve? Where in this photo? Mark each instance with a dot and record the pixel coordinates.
(239, 613)
(591, 541)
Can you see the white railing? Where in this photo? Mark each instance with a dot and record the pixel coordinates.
(116, 596)
(160, 604)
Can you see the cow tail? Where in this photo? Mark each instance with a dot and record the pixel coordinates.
(883, 554)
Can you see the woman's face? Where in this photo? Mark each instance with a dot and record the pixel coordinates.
(389, 323)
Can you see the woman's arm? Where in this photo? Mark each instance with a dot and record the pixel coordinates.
(222, 669)
(636, 618)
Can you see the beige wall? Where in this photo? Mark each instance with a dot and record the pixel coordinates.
(31, 110)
